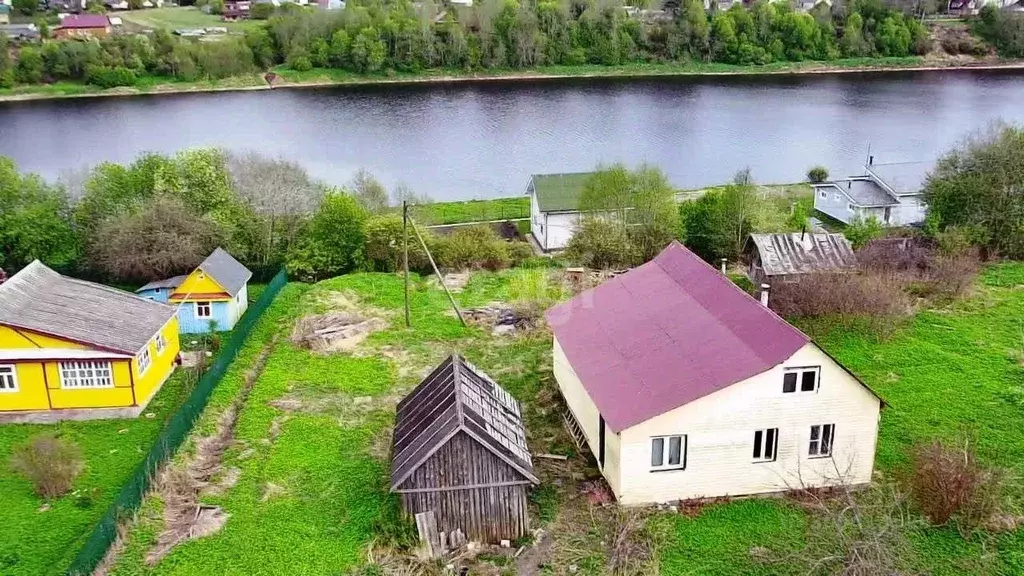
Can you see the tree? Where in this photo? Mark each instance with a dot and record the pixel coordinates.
(717, 224)
(34, 221)
(332, 241)
(893, 38)
(853, 44)
(600, 243)
(978, 186)
(29, 69)
(368, 50)
(817, 174)
(26, 7)
(369, 192)
(6, 63)
(860, 231)
(161, 238)
(739, 202)
(261, 11)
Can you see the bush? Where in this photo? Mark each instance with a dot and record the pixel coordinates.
(520, 252)
(817, 174)
(383, 246)
(332, 242)
(261, 11)
(106, 77)
(473, 247)
(51, 464)
(600, 244)
(862, 230)
(300, 63)
(924, 269)
(875, 298)
(948, 484)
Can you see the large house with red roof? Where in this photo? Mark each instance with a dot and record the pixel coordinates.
(83, 26)
(684, 386)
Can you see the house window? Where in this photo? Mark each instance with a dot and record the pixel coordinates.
(822, 438)
(144, 360)
(766, 445)
(804, 378)
(86, 375)
(850, 207)
(823, 194)
(204, 309)
(8, 378)
(161, 344)
(668, 452)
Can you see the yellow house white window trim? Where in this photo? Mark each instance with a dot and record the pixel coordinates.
(204, 309)
(144, 359)
(8, 378)
(161, 344)
(85, 374)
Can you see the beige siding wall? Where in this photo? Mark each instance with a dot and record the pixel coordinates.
(720, 430)
(586, 413)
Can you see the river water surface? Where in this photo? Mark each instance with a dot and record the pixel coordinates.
(458, 141)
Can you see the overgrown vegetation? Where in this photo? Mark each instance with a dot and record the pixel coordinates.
(50, 463)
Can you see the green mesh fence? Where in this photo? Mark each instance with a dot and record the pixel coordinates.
(172, 436)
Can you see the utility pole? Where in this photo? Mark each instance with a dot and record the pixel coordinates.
(405, 258)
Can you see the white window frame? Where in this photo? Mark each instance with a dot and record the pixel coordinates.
(819, 447)
(8, 378)
(762, 451)
(161, 344)
(102, 370)
(665, 443)
(799, 385)
(144, 360)
(209, 306)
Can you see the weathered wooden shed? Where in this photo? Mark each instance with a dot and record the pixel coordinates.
(459, 455)
(773, 258)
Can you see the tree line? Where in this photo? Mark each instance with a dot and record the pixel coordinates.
(161, 215)
(372, 37)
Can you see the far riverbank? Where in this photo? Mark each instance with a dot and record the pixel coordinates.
(321, 78)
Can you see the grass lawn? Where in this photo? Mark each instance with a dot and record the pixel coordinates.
(472, 210)
(174, 17)
(41, 539)
(312, 440)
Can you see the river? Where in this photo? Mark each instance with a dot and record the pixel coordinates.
(459, 141)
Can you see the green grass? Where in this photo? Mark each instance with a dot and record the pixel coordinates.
(472, 210)
(949, 371)
(43, 541)
(174, 17)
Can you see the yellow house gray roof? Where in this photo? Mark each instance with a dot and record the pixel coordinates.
(41, 300)
(227, 271)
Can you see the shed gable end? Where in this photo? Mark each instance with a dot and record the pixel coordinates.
(462, 462)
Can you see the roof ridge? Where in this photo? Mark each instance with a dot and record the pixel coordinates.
(112, 290)
(773, 315)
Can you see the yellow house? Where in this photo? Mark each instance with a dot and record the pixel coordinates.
(71, 349)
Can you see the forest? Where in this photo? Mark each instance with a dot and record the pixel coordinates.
(402, 37)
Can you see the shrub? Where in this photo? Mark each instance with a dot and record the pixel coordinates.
(600, 244)
(300, 63)
(520, 252)
(817, 174)
(473, 247)
(107, 77)
(383, 246)
(949, 484)
(261, 11)
(875, 298)
(50, 463)
(862, 230)
(924, 269)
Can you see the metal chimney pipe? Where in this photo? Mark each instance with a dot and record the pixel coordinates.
(724, 260)
(764, 295)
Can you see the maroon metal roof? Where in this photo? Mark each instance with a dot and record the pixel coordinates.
(85, 21)
(665, 334)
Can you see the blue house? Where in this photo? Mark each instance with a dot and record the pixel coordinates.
(215, 293)
(160, 290)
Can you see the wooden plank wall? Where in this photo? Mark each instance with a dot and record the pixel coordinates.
(484, 513)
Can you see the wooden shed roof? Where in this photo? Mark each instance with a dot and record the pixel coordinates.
(801, 253)
(458, 397)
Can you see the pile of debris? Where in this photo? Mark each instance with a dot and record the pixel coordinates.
(502, 319)
(334, 331)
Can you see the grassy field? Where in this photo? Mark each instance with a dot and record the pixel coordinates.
(174, 17)
(472, 210)
(312, 439)
(41, 538)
